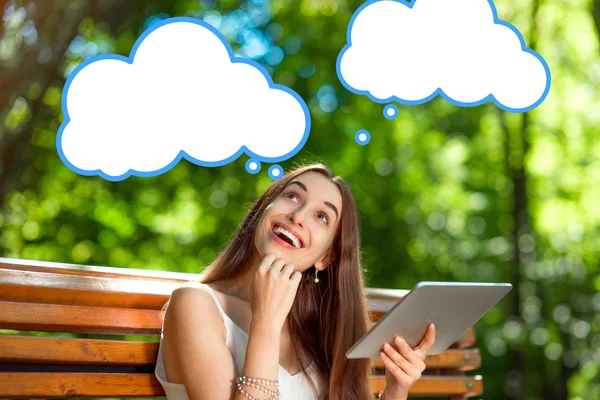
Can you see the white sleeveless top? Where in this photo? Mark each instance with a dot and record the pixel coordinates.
(291, 387)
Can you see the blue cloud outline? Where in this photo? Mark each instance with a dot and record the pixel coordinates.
(182, 154)
(439, 91)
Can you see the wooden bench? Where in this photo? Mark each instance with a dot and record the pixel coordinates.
(97, 303)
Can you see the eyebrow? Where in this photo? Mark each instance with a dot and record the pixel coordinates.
(328, 204)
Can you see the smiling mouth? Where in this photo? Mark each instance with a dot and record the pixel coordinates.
(286, 236)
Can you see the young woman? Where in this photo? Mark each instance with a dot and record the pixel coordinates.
(274, 314)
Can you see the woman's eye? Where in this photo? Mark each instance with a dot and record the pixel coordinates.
(326, 218)
(291, 194)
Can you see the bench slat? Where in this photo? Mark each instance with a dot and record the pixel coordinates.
(86, 270)
(51, 288)
(48, 350)
(464, 386)
(77, 319)
(75, 351)
(46, 385)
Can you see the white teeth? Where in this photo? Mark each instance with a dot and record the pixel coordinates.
(294, 239)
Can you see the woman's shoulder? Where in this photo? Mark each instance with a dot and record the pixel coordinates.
(192, 289)
(184, 304)
(192, 296)
(193, 285)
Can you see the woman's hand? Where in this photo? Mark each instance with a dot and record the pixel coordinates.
(404, 368)
(273, 291)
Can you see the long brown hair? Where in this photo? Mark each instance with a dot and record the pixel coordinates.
(327, 318)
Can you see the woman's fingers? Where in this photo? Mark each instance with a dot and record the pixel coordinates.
(402, 376)
(408, 353)
(426, 343)
(265, 264)
(277, 267)
(392, 366)
(396, 357)
(407, 366)
(288, 270)
(296, 278)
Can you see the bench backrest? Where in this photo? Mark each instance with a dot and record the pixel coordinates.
(84, 308)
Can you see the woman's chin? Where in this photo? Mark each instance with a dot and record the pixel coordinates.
(280, 252)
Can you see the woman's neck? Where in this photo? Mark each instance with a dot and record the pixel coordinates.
(241, 285)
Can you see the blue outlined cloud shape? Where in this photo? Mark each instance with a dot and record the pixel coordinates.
(458, 49)
(182, 93)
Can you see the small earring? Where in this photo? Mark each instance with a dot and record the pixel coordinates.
(316, 276)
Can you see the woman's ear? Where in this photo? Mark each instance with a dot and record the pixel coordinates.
(325, 261)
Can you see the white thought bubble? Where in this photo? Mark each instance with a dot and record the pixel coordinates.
(181, 94)
(459, 49)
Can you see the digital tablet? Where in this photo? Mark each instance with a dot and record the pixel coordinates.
(453, 307)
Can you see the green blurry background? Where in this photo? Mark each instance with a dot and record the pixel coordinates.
(445, 193)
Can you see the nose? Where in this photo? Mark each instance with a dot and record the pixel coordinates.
(297, 217)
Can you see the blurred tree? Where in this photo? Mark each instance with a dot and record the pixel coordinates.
(596, 14)
(35, 38)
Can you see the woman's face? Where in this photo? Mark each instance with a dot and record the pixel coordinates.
(300, 224)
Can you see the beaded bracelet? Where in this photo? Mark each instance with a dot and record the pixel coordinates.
(253, 379)
(257, 383)
(250, 397)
